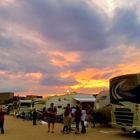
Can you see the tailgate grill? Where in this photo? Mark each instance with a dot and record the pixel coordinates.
(124, 118)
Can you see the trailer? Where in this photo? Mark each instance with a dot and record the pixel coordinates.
(24, 105)
(38, 103)
(102, 107)
(77, 99)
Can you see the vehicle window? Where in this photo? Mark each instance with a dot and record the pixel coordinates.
(59, 106)
(101, 98)
(25, 104)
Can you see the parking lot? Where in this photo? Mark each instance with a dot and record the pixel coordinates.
(17, 129)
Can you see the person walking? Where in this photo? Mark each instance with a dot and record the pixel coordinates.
(52, 111)
(2, 120)
(34, 116)
(77, 115)
(83, 117)
(66, 120)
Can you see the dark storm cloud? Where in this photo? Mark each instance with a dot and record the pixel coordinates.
(125, 28)
(98, 60)
(64, 26)
(74, 25)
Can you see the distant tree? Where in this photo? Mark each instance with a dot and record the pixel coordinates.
(39, 96)
(22, 98)
(6, 102)
(9, 101)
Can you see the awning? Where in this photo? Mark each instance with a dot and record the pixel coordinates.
(85, 99)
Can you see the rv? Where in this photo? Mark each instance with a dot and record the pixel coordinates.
(102, 107)
(77, 99)
(38, 103)
(125, 102)
(24, 105)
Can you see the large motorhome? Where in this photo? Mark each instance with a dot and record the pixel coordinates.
(38, 104)
(73, 99)
(24, 105)
(125, 102)
(102, 107)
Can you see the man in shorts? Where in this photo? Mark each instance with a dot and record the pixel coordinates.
(52, 111)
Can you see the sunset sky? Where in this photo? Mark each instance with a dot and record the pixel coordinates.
(50, 46)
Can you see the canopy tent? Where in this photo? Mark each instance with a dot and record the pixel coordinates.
(85, 99)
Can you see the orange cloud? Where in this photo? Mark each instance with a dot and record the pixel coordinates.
(66, 74)
(85, 79)
(2, 72)
(15, 76)
(67, 58)
(36, 75)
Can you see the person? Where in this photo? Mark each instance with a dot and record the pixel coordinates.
(34, 116)
(43, 116)
(23, 115)
(28, 117)
(1, 120)
(68, 105)
(66, 120)
(15, 107)
(52, 111)
(77, 115)
(83, 117)
(89, 111)
(73, 109)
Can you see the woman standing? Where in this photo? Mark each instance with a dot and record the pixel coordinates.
(77, 115)
(66, 120)
(83, 117)
(1, 120)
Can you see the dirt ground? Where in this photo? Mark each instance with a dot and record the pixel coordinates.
(17, 129)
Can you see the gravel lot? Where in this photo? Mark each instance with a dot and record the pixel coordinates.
(17, 129)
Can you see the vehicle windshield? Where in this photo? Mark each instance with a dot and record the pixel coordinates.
(123, 89)
(25, 104)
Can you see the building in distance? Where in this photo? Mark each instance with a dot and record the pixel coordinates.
(6, 96)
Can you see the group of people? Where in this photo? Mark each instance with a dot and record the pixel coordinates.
(68, 115)
(77, 114)
(32, 115)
